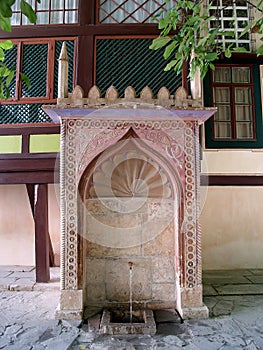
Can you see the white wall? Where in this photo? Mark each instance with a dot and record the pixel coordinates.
(17, 240)
(232, 228)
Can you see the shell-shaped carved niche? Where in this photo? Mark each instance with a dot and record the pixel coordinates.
(129, 174)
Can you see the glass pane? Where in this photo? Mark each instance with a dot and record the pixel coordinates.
(42, 18)
(15, 19)
(71, 16)
(243, 95)
(223, 113)
(222, 130)
(222, 75)
(16, 6)
(221, 95)
(57, 4)
(56, 17)
(244, 130)
(31, 3)
(71, 4)
(241, 74)
(44, 5)
(25, 20)
(243, 113)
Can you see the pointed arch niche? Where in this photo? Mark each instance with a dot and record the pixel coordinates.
(131, 204)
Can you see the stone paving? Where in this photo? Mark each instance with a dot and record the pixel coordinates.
(236, 318)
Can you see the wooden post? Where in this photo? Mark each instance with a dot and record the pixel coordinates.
(41, 233)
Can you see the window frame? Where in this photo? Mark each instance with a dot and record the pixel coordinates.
(232, 86)
(50, 78)
(257, 141)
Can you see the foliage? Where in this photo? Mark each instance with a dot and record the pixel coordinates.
(192, 40)
(7, 73)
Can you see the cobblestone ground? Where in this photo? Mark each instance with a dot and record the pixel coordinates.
(27, 323)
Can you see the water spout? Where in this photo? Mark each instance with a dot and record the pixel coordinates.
(130, 266)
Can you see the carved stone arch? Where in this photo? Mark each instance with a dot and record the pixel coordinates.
(148, 150)
(149, 159)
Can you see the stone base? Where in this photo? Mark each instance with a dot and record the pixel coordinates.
(197, 312)
(147, 327)
(71, 305)
(68, 314)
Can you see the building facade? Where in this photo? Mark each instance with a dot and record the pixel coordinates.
(107, 44)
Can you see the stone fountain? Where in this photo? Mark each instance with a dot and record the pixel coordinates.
(130, 192)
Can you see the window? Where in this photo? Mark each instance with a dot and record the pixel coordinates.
(232, 16)
(48, 12)
(235, 90)
(130, 11)
(38, 59)
(232, 94)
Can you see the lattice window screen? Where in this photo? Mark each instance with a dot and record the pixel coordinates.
(124, 62)
(131, 11)
(232, 16)
(35, 67)
(23, 113)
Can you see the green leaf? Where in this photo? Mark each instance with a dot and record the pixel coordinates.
(239, 49)
(228, 52)
(25, 79)
(2, 55)
(10, 77)
(247, 28)
(211, 56)
(5, 8)
(260, 50)
(159, 42)
(162, 23)
(6, 45)
(4, 71)
(5, 23)
(212, 66)
(170, 65)
(27, 10)
(169, 49)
